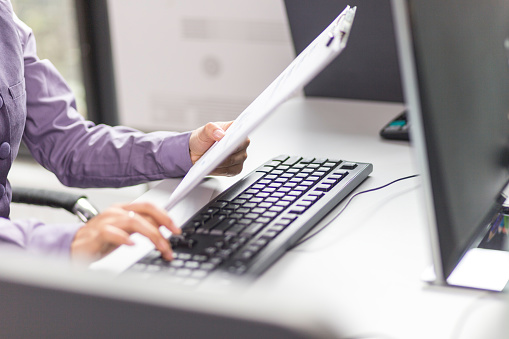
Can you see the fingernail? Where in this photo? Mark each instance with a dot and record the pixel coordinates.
(129, 242)
(218, 133)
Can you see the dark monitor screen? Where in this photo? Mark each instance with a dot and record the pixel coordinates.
(459, 103)
(368, 68)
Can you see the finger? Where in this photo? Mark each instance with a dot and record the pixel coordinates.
(224, 124)
(113, 237)
(243, 146)
(138, 224)
(156, 216)
(235, 159)
(203, 138)
(212, 132)
(228, 171)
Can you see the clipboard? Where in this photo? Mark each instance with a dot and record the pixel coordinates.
(311, 61)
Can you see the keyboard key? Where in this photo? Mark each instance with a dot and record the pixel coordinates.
(349, 166)
(243, 210)
(273, 163)
(199, 257)
(277, 209)
(274, 197)
(269, 235)
(210, 250)
(191, 264)
(323, 187)
(264, 169)
(249, 205)
(235, 230)
(288, 198)
(258, 210)
(329, 181)
(270, 215)
(276, 228)
(320, 161)
(184, 256)
(207, 266)
(283, 203)
(263, 220)
(217, 205)
(265, 205)
(305, 203)
(177, 263)
(245, 196)
(297, 209)
(280, 158)
(253, 229)
(307, 160)
(251, 216)
(286, 221)
(292, 160)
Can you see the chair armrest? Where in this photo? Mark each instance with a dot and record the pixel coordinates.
(74, 203)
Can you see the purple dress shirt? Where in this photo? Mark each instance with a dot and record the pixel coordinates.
(37, 105)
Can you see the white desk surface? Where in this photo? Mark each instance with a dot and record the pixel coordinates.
(365, 269)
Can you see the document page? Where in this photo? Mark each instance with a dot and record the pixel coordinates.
(327, 46)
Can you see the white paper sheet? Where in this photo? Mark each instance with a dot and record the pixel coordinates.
(327, 46)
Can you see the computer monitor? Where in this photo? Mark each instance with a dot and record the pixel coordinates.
(368, 69)
(454, 58)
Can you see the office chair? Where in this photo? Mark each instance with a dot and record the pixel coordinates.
(76, 204)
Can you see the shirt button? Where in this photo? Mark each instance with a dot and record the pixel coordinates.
(5, 150)
(2, 190)
(1, 101)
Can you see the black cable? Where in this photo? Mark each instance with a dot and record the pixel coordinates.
(346, 205)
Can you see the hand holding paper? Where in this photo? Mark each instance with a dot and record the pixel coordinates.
(204, 137)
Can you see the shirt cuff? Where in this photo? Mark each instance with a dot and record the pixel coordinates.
(52, 239)
(174, 156)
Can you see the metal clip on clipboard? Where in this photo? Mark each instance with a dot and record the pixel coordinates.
(341, 28)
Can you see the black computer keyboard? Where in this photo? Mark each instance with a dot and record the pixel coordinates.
(250, 225)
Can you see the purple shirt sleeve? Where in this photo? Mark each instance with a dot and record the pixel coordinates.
(38, 238)
(81, 153)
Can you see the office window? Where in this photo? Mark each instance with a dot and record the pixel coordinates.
(56, 30)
